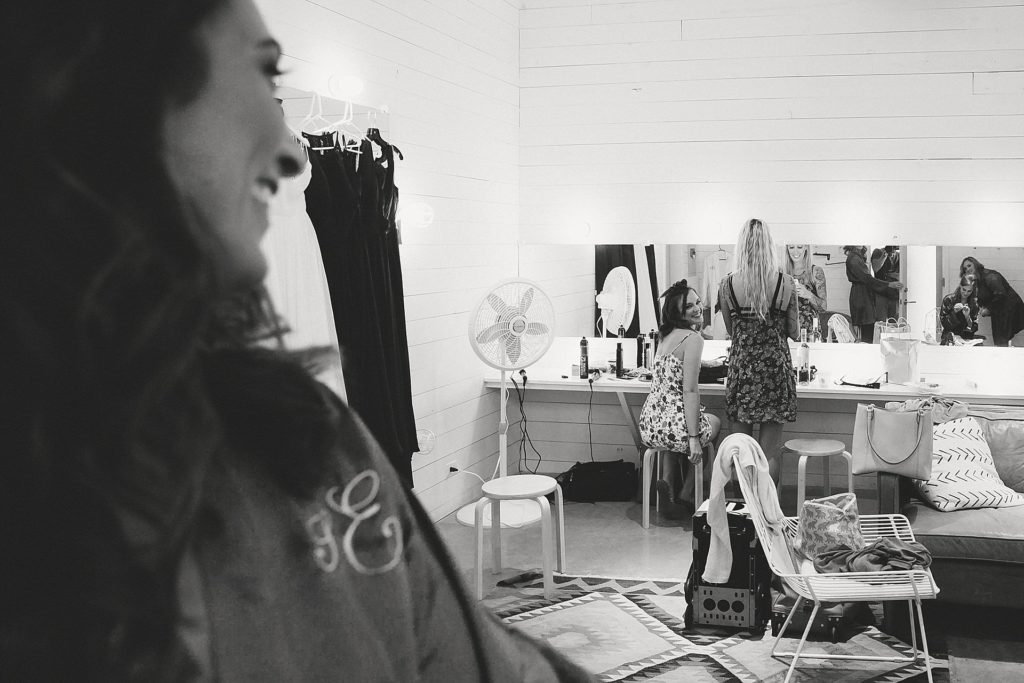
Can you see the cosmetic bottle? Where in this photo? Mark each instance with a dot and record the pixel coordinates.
(584, 367)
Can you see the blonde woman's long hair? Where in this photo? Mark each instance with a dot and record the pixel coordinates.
(756, 267)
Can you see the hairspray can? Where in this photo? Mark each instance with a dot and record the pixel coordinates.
(584, 367)
(640, 343)
(618, 359)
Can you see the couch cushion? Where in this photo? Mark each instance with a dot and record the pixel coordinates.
(991, 534)
(1004, 432)
(963, 474)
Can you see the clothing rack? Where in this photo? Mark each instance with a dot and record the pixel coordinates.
(314, 113)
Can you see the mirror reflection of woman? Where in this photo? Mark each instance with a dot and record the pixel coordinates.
(959, 311)
(810, 283)
(996, 298)
(866, 291)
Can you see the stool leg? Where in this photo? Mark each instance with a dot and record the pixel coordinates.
(479, 520)
(698, 482)
(496, 536)
(801, 482)
(645, 475)
(827, 487)
(849, 470)
(548, 545)
(560, 529)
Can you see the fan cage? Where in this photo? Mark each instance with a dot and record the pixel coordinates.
(512, 325)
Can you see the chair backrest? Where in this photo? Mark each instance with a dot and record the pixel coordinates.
(839, 327)
(776, 539)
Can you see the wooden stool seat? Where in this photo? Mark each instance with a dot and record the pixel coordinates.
(523, 487)
(817, 448)
(519, 487)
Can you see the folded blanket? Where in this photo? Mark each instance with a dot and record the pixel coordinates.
(885, 554)
(943, 409)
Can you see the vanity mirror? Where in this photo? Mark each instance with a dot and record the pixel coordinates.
(970, 321)
(573, 274)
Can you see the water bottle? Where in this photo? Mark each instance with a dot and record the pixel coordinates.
(803, 374)
(618, 359)
(584, 367)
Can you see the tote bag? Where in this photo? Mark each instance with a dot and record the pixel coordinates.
(892, 441)
(898, 349)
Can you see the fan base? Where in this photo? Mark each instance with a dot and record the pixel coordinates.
(514, 514)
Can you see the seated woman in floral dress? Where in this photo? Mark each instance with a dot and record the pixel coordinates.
(672, 418)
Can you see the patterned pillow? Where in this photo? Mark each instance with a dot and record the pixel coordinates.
(963, 473)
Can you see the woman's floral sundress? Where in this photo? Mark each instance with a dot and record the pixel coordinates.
(662, 418)
(761, 385)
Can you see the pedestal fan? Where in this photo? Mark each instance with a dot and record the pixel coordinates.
(617, 301)
(510, 329)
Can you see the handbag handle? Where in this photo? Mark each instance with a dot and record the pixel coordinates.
(920, 433)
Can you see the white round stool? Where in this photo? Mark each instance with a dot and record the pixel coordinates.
(817, 448)
(521, 487)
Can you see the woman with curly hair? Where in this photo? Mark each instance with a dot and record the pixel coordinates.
(178, 503)
(672, 418)
(996, 298)
(761, 312)
(959, 312)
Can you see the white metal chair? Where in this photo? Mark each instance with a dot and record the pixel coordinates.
(913, 585)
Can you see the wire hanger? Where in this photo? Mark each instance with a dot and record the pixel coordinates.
(723, 255)
(315, 117)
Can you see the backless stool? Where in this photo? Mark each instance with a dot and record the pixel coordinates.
(817, 448)
(534, 487)
(651, 464)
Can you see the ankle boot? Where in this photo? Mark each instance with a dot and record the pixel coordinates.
(665, 491)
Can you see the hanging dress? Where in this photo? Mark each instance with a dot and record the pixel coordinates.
(761, 384)
(663, 416)
(296, 280)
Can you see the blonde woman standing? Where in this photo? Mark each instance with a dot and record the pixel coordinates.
(760, 307)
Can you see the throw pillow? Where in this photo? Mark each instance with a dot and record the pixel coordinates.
(963, 473)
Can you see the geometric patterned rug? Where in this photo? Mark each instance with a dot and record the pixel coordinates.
(632, 630)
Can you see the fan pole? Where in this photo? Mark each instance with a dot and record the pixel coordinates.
(503, 430)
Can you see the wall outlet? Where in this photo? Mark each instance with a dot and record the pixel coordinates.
(452, 468)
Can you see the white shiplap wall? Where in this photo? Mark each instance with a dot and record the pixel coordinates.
(675, 120)
(448, 72)
(665, 121)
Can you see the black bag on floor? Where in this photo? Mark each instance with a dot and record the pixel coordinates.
(588, 482)
(744, 601)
